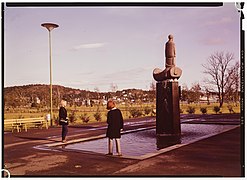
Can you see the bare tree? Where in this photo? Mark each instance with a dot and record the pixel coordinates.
(96, 89)
(152, 90)
(113, 87)
(195, 92)
(184, 93)
(153, 86)
(219, 69)
(232, 88)
(191, 95)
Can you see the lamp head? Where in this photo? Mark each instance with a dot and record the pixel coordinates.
(49, 26)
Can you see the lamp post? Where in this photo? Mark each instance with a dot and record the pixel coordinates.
(50, 27)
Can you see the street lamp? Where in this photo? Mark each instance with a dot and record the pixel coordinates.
(50, 27)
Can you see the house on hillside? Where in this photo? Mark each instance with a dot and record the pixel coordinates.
(211, 97)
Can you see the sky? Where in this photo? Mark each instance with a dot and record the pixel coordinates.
(97, 47)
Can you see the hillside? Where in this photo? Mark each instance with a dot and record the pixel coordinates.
(31, 95)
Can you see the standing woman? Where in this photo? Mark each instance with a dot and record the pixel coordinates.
(63, 120)
(115, 125)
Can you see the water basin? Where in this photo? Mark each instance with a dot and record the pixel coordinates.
(143, 142)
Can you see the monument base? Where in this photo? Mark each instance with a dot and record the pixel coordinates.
(168, 127)
(165, 140)
(167, 108)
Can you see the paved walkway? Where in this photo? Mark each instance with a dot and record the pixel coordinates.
(220, 155)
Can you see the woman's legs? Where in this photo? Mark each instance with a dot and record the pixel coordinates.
(64, 132)
(118, 146)
(110, 146)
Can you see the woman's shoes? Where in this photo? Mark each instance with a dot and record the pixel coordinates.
(110, 154)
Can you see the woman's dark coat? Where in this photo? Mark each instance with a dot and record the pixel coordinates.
(63, 116)
(115, 123)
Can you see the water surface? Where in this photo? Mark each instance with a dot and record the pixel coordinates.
(142, 142)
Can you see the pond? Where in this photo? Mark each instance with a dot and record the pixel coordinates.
(143, 142)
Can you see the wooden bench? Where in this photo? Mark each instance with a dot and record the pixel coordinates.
(26, 123)
(11, 124)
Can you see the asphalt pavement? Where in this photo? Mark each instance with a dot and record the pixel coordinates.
(221, 155)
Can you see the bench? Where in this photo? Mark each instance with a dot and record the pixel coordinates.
(11, 124)
(26, 123)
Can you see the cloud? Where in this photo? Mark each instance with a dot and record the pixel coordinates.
(213, 41)
(222, 21)
(129, 74)
(88, 46)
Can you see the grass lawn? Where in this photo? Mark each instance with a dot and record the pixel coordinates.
(210, 108)
(78, 112)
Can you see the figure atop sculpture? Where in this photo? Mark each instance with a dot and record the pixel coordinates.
(171, 72)
(170, 52)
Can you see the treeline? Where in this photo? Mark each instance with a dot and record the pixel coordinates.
(39, 95)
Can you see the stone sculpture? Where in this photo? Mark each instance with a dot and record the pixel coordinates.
(168, 128)
(171, 72)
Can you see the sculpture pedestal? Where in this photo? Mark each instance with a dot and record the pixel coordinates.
(168, 129)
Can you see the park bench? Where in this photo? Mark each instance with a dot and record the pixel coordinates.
(19, 124)
(11, 124)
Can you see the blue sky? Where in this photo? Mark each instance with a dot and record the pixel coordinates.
(95, 47)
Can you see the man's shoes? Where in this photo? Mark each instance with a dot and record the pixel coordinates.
(109, 154)
(120, 154)
(64, 141)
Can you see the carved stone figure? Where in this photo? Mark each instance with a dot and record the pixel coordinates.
(170, 52)
(171, 72)
(168, 126)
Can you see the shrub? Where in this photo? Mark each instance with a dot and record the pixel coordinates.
(35, 105)
(85, 118)
(147, 110)
(97, 115)
(230, 108)
(56, 120)
(181, 111)
(190, 110)
(135, 112)
(72, 117)
(203, 110)
(20, 116)
(153, 112)
(216, 109)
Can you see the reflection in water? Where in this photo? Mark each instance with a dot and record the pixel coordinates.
(166, 140)
(143, 142)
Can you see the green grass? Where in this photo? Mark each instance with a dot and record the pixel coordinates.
(223, 109)
(32, 112)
